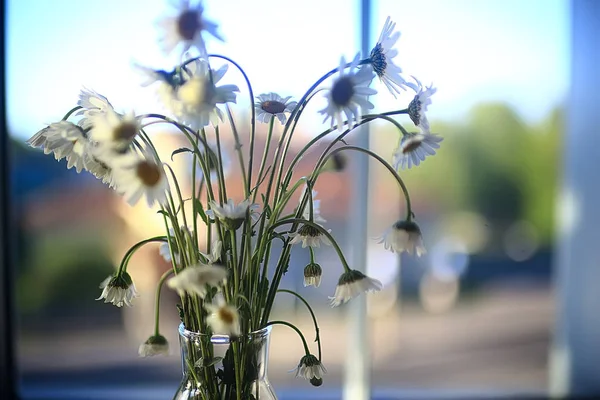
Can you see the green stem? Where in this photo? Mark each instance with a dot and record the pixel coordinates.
(306, 349)
(238, 149)
(134, 248)
(264, 157)
(71, 111)
(162, 280)
(312, 314)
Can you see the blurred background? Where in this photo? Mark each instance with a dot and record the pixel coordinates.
(475, 313)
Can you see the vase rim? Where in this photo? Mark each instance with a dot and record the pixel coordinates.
(183, 331)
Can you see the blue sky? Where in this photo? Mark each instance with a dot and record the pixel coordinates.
(472, 50)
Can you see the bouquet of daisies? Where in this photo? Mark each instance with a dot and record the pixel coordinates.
(225, 277)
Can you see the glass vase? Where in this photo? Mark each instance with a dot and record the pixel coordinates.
(217, 367)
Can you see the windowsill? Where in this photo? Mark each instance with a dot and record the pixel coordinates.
(163, 392)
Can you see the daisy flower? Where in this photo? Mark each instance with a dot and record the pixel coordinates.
(230, 215)
(403, 236)
(271, 105)
(197, 98)
(155, 345)
(118, 290)
(348, 94)
(93, 104)
(381, 59)
(418, 106)
(223, 319)
(98, 168)
(65, 140)
(311, 369)
(196, 278)
(186, 27)
(136, 176)
(309, 236)
(114, 131)
(351, 284)
(312, 274)
(414, 148)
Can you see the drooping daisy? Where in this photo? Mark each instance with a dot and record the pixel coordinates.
(317, 218)
(312, 274)
(351, 284)
(154, 346)
(348, 94)
(186, 27)
(381, 59)
(309, 236)
(118, 290)
(418, 106)
(139, 175)
(404, 236)
(271, 105)
(230, 215)
(196, 278)
(223, 319)
(311, 369)
(99, 168)
(198, 98)
(414, 148)
(93, 104)
(65, 140)
(114, 131)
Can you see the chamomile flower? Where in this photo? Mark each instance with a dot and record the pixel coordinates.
(139, 175)
(271, 105)
(195, 279)
(418, 106)
(317, 218)
(351, 284)
(311, 369)
(229, 214)
(99, 168)
(114, 131)
(186, 27)
(309, 236)
(118, 290)
(65, 140)
(93, 104)
(404, 236)
(348, 94)
(223, 319)
(154, 346)
(198, 98)
(414, 148)
(381, 59)
(312, 274)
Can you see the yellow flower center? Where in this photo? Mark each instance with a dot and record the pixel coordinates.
(226, 315)
(189, 24)
(273, 107)
(149, 173)
(126, 131)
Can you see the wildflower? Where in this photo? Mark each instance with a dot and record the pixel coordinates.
(114, 131)
(65, 140)
(271, 105)
(98, 168)
(93, 104)
(229, 214)
(404, 236)
(198, 97)
(196, 278)
(118, 290)
(349, 94)
(155, 345)
(309, 236)
(418, 106)
(186, 28)
(312, 274)
(136, 176)
(414, 148)
(223, 319)
(381, 59)
(351, 284)
(311, 369)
